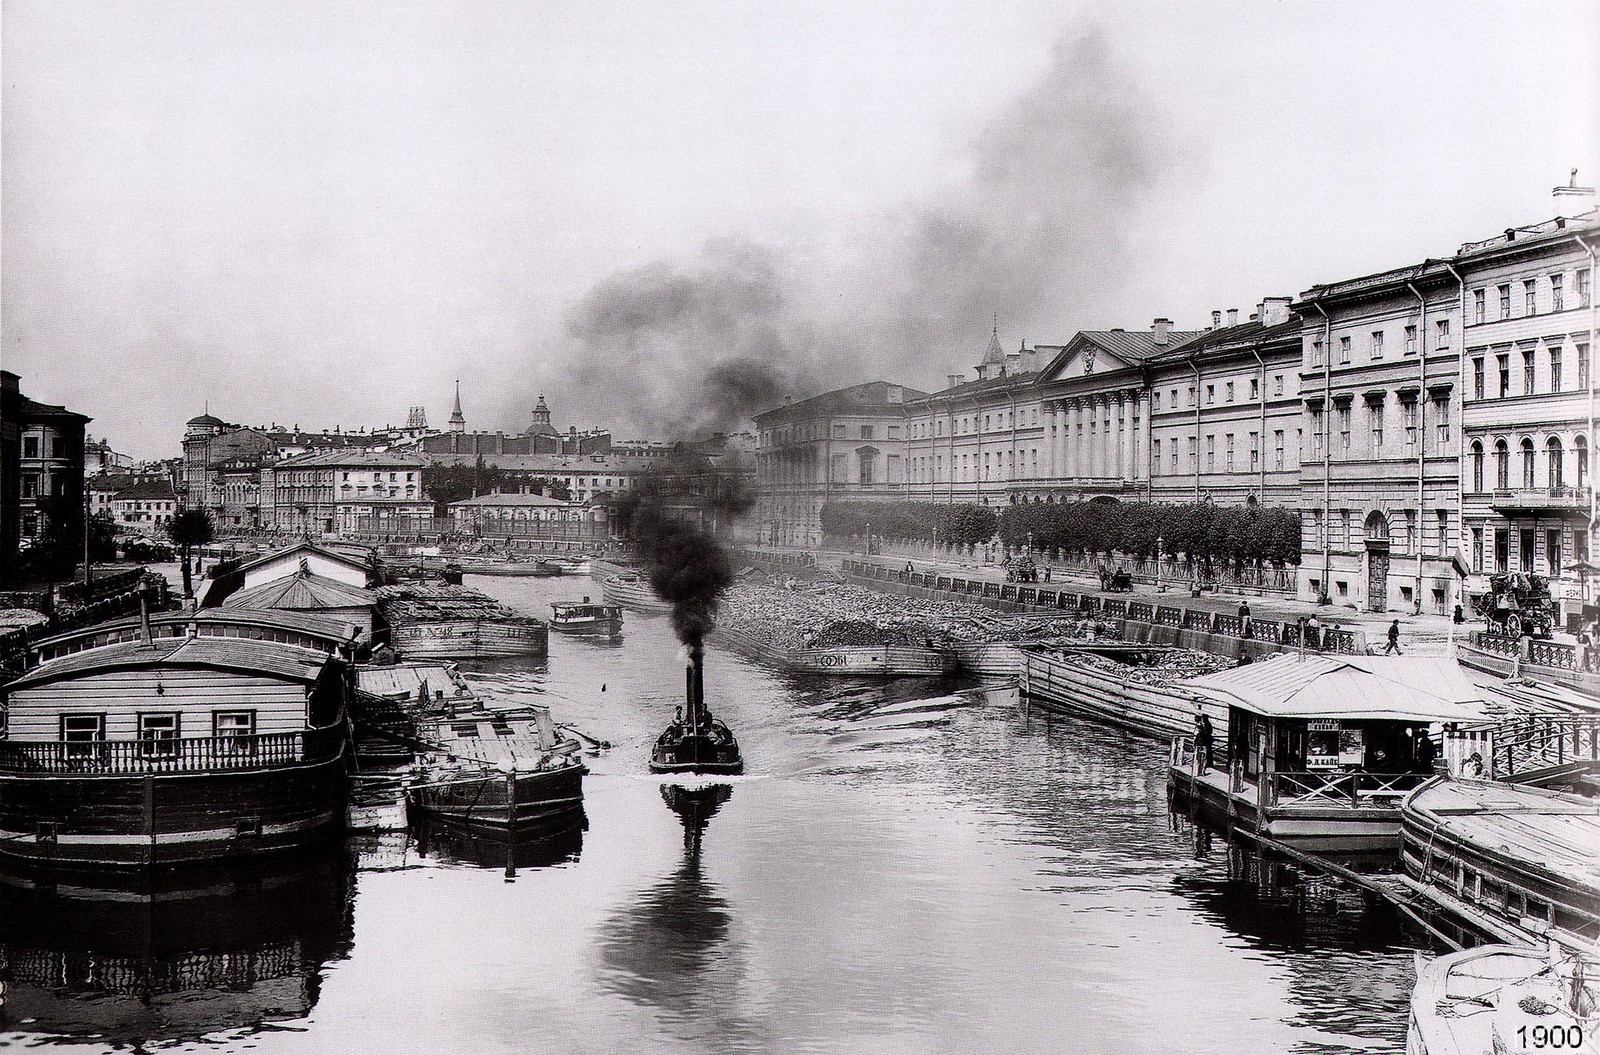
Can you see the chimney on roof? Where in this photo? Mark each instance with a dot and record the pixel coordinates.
(1274, 310)
(954, 379)
(1233, 316)
(1161, 331)
(1216, 320)
(1013, 364)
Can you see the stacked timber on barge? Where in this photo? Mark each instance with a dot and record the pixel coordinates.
(132, 751)
(1142, 689)
(1320, 750)
(1519, 862)
(439, 621)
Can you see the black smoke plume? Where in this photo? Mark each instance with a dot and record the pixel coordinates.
(1041, 229)
(674, 516)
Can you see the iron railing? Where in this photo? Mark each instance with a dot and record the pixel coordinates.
(175, 755)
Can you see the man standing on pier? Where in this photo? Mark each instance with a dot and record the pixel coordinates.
(1202, 742)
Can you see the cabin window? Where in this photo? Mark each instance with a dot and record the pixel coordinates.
(234, 725)
(80, 732)
(158, 735)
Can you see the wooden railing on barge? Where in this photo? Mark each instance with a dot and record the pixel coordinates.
(187, 755)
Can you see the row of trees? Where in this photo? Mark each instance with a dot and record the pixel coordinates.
(967, 525)
(1212, 535)
(451, 483)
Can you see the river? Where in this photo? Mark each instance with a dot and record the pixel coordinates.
(908, 866)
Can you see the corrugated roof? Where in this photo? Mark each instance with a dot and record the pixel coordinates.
(1243, 335)
(302, 591)
(1406, 688)
(1135, 346)
(217, 653)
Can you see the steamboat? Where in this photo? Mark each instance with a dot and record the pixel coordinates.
(696, 742)
(585, 617)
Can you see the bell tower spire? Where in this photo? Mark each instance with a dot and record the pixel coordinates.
(458, 420)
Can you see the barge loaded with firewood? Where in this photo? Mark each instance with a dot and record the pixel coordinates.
(442, 621)
(124, 748)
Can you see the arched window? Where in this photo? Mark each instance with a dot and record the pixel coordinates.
(1553, 451)
(1477, 467)
(1377, 526)
(1502, 465)
(1527, 463)
(1580, 448)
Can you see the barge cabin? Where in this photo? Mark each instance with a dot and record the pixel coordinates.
(167, 750)
(1321, 750)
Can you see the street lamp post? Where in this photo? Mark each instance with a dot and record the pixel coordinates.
(1159, 543)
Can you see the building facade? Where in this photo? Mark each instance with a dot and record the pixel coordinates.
(1527, 500)
(846, 445)
(345, 491)
(41, 472)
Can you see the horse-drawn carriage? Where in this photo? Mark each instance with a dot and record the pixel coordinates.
(1517, 604)
(1117, 580)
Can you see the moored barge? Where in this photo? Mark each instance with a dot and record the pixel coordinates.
(438, 621)
(158, 751)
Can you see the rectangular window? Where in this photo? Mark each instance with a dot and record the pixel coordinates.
(30, 446)
(1409, 411)
(1503, 361)
(1211, 453)
(1155, 400)
(1316, 352)
(866, 432)
(1555, 369)
(1556, 293)
(1583, 366)
(1527, 371)
(1477, 377)
(1228, 452)
(1344, 431)
(1441, 333)
(1344, 349)
(1478, 305)
(1411, 340)
(1477, 549)
(894, 432)
(1193, 455)
(1230, 392)
(1255, 451)
(1505, 301)
(1316, 434)
(241, 725)
(838, 432)
(1552, 551)
(1255, 388)
(1377, 344)
(1583, 288)
(1211, 394)
(1530, 297)
(1174, 455)
(158, 735)
(81, 735)
(1375, 413)
(1441, 422)
(1277, 384)
(1155, 454)
(1277, 448)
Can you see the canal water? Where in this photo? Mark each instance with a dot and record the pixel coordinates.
(908, 866)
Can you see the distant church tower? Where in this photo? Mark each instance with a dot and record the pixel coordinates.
(541, 419)
(417, 419)
(458, 420)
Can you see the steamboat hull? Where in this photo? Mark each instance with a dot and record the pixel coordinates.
(156, 819)
(548, 799)
(469, 639)
(697, 754)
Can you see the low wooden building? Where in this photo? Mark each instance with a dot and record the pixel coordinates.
(162, 750)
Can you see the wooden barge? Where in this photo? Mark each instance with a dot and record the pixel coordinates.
(632, 590)
(439, 621)
(168, 750)
(1321, 750)
(897, 660)
(1056, 679)
(1501, 999)
(1511, 860)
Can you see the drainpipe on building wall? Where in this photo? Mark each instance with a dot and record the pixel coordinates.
(1255, 350)
(1461, 442)
(1422, 428)
(1327, 451)
(1012, 480)
(1198, 396)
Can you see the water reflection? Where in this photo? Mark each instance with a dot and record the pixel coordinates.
(671, 950)
(141, 958)
(483, 847)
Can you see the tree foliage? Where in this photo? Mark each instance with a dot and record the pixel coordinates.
(960, 524)
(189, 528)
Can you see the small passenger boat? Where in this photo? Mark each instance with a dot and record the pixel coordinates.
(585, 617)
(1502, 998)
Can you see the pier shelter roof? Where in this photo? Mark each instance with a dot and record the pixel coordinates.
(1402, 688)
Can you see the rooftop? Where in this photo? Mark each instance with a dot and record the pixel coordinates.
(543, 501)
(1403, 688)
(216, 653)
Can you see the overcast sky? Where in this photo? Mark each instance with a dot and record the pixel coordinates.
(321, 213)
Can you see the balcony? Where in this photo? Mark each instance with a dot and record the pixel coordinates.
(1524, 501)
(194, 755)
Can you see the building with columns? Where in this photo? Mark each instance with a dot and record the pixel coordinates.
(845, 445)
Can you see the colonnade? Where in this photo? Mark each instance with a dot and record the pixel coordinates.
(1102, 436)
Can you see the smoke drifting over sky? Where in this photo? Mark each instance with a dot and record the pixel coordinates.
(1036, 230)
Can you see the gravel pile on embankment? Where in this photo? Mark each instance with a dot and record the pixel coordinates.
(1164, 668)
(831, 615)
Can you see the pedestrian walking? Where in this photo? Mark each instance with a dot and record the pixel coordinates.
(1244, 618)
(1202, 741)
(1394, 640)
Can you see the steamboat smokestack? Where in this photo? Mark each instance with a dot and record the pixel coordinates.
(695, 685)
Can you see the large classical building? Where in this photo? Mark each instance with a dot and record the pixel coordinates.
(1527, 421)
(41, 471)
(847, 445)
(345, 491)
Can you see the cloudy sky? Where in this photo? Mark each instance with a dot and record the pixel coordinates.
(664, 214)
